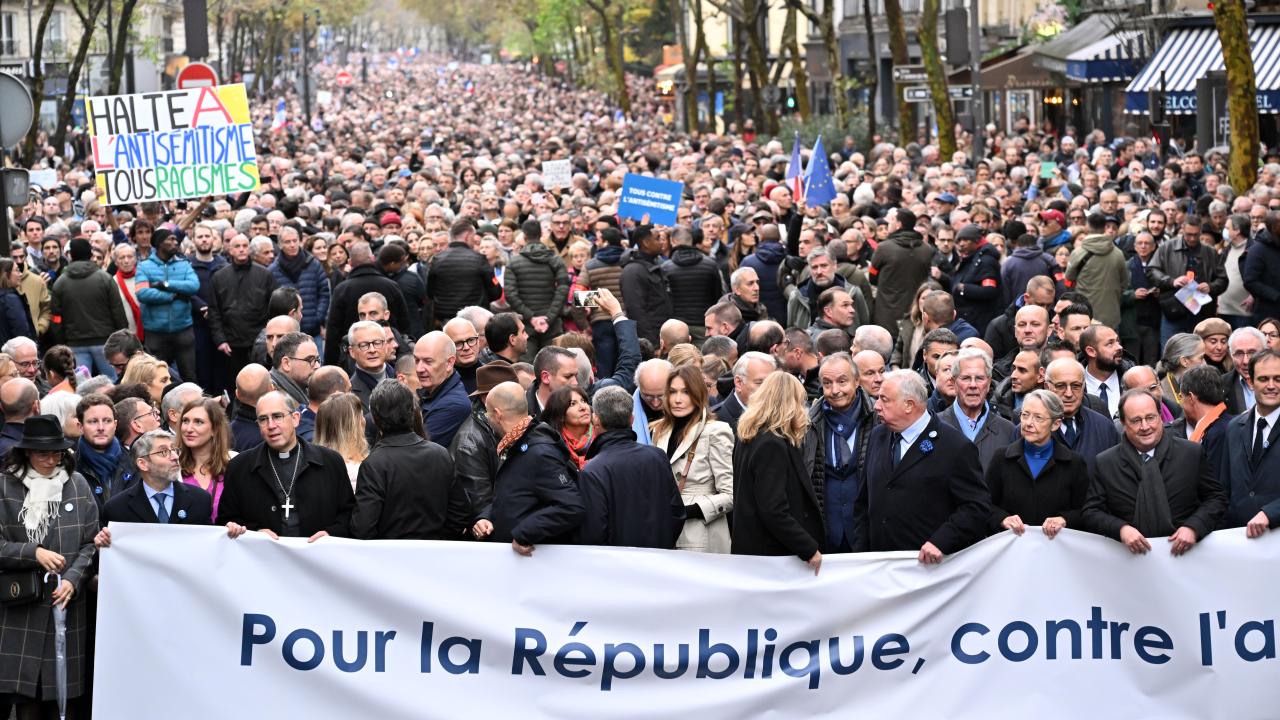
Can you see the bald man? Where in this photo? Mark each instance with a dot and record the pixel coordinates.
(468, 341)
(20, 399)
(871, 371)
(252, 382)
(672, 333)
(444, 399)
(536, 498)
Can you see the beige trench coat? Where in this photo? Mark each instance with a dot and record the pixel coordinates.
(709, 483)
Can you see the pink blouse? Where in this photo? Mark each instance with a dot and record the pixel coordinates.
(215, 489)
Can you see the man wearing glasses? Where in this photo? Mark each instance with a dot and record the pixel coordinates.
(161, 497)
(134, 418)
(366, 342)
(295, 358)
(464, 335)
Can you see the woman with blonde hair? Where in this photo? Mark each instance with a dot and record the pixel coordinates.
(8, 368)
(148, 371)
(699, 448)
(685, 354)
(204, 447)
(340, 427)
(777, 509)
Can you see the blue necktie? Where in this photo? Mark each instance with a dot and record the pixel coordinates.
(162, 514)
(1069, 432)
(1102, 393)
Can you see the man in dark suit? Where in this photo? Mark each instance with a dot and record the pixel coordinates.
(1243, 344)
(971, 414)
(1205, 415)
(1153, 484)
(922, 486)
(1083, 430)
(161, 497)
(630, 495)
(748, 373)
(1250, 469)
(287, 486)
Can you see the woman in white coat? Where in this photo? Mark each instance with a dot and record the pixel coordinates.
(701, 452)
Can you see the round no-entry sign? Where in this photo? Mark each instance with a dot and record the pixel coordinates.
(345, 79)
(196, 75)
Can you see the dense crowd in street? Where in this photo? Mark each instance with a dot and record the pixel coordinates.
(406, 334)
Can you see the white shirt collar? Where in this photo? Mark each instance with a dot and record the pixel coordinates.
(910, 435)
(1272, 417)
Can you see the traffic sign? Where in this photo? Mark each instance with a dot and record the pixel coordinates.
(917, 94)
(958, 92)
(16, 110)
(345, 79)
(196, 75)
(909, 74)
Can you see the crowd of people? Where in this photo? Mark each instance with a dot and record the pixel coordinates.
(406, 334)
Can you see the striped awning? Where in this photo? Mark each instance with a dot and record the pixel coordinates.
(1188, 54)
(1114, 58)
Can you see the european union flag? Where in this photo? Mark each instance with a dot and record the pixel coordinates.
(819, 188)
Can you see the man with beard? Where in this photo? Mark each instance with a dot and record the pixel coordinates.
(161, 497)
(463, 333)
(209, 371)
(1026, 374)
(1106, 364)
(166, 284)
(506, 339)
(295, 358)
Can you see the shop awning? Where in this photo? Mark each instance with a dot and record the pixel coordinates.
(1189, 53)
(1114, 58)
(1015, 70)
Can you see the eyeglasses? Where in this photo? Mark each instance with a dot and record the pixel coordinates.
(1063, 387)
(469, 342)
(276, 418)
(1144, 420)
(1270, 335)
(27, 364)
(370, 345)
(652, 398)
(173, 451)
(1036, 418)
(1246, 354)
(310, 359)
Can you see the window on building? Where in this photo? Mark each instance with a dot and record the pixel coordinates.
(8, 34)
(55, 41)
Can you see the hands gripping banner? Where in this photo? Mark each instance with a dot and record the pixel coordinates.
(172, 145)
(1014, 627)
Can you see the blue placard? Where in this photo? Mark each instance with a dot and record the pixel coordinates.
(656, 198)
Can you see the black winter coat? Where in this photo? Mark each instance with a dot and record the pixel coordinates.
(536, 499)
(322, 492)
(976, 286)
(406, 491)
(344, 301)
(1262, 275)
(460, 277)
(1058, 491)
(414, 290)
(86, 304)
(693, 282)
(630, 495)
(238, 302)
(775, 506)
(645, 293)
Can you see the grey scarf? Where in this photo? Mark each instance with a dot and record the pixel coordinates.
(1151, 514)
(286, 385)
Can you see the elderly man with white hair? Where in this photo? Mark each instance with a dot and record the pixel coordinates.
(938, 503)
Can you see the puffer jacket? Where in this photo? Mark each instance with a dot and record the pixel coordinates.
(87, 305)
(537, 284)
(460, 277)
(238, 303)
(166, 310)
(604, 271)
(312, 284)
(765, 261)
(694, 283)
(646, 294)
(1097, 269)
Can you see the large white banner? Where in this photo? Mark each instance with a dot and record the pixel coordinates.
(193, 623)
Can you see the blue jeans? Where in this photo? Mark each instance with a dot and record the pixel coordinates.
(93, 359)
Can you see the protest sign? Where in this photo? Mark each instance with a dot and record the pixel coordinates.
(1074, 627)
(557, 174)
(45, 178)
(643, 195)
(172, 145)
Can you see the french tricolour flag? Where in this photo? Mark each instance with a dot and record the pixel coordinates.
(795, 174)
(281, 119)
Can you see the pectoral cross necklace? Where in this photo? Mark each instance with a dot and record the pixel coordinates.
(288, 504)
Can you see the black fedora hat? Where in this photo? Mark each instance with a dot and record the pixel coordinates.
(43, 433)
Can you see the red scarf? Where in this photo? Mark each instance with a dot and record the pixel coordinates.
(578, 448)
(130, 299)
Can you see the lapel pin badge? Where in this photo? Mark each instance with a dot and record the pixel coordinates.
(182, 514)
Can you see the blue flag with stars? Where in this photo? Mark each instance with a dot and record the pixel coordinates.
(819, 188)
